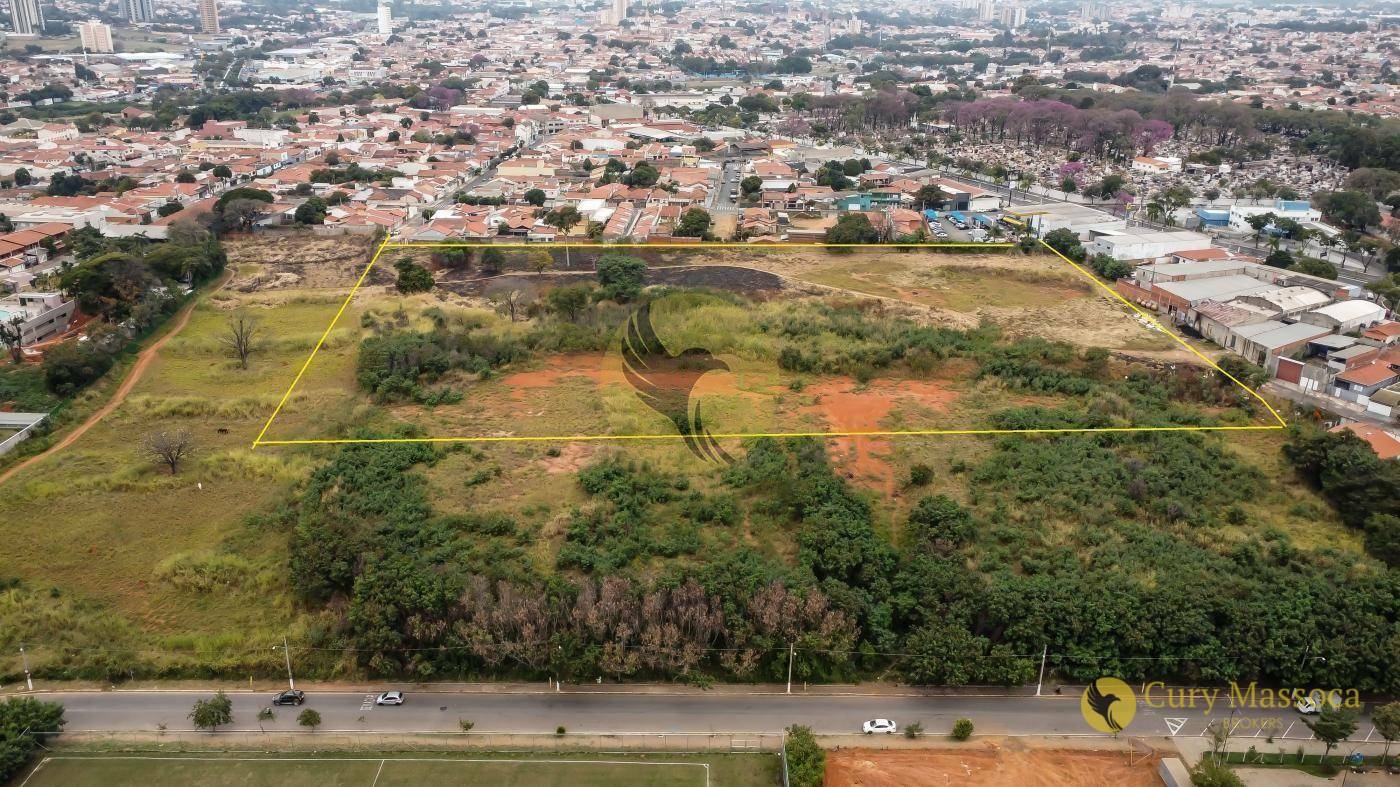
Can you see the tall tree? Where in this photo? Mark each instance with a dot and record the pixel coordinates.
(1332, 726)
(240, 337)
(210, 714)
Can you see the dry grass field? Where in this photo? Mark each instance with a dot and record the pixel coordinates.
(115, 553)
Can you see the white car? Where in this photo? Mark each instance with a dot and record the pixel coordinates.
(1316, 701)
(389, 698)
(878, 725)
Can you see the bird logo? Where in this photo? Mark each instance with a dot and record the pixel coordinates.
(1108, 705)
(666, 382)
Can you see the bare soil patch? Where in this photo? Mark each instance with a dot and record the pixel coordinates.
(846, 406)
(990, 765)
(572, 458)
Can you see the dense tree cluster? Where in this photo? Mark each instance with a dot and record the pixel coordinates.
(25, 723)
(1364, 488)
(1120, 133)
(131, 285)
(432, 594)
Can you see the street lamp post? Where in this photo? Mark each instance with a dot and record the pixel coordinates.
(28, 679)
(287, 655)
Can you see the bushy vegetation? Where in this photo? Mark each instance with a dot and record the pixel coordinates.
(133, 286)
(1364, 488)
(25, 723)
(1063, 542)
(806, 760)
(402, 364)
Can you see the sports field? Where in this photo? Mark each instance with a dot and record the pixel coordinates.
(582, 770)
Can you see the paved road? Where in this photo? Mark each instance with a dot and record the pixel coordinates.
(598, 712)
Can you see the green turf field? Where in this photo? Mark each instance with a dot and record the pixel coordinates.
(583, 770)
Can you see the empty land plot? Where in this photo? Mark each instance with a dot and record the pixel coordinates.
(802, 341)
(514, 770)
(986, 767)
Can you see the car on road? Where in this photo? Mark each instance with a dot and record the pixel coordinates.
(389, 698)
(290, 697)
(878, 725)
(1316, 701)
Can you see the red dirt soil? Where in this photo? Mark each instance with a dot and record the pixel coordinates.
(594, 367)
(842, 405)
(846, 408)
(985, 767)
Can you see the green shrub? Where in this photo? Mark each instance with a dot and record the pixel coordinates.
(806, 759)
(962, 729)
(1209, 773)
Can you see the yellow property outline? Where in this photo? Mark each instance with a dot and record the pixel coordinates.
(385, 245)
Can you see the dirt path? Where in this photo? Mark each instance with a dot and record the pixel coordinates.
(138, 370)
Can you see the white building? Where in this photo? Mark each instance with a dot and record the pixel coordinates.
(139, 10)
(1157, 164)
(41, 315)
(1013, 17)
(386, 19)
(1345, 316)
(1300, 211)
(614, 14)
(26, 17)
(1136, 244)
(95, 37)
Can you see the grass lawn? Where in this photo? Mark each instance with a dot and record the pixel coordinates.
(583, 770)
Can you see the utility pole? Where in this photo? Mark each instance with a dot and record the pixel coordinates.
(287, 653)
(1044, 649)
(28, 679)
(790, 653)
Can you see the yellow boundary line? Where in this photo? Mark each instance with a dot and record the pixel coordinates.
(259, 441)
(1212, 364)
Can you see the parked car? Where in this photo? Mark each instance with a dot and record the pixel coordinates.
(290, 697)
(1316, 701)
(389, 698)
(878, 725)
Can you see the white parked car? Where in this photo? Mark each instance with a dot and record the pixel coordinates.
(1316, 701)
(878, 725)
(389, 698)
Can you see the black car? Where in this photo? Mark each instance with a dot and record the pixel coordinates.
(290, 697)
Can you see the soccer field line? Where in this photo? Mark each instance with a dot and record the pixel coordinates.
(381, 760)
(386, 244)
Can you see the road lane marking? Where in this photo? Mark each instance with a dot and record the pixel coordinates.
(1176, 723)
(1290, 728)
